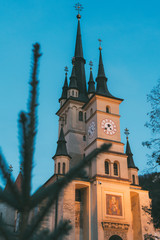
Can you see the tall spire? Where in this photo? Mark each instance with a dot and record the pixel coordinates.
(61, 145)
(78, 47)
(91, 83)
(65, 86)
(80, 61)
(130, 160)
(101, 78)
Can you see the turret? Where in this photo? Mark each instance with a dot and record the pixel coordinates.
(132, 169)
(73, 88)
(64, 89)
(101, 79)
(91, 83)
(61, 158)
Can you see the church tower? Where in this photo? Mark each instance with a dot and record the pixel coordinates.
(107, 203)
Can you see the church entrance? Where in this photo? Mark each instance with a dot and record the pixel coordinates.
(115, 237)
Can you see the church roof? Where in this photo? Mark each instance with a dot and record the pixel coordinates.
(91, 83)
(79, 66)
(101, 79)
(73, 80)
(130, 160)
(65, 88)
(61, 146)
(18, 183)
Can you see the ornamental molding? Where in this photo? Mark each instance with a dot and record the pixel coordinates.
(114, 225)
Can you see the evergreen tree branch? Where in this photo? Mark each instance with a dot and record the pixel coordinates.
(55, 188)
(10, 184)
(62, 230)
(7, 197)
(31, 131)
(51, 192)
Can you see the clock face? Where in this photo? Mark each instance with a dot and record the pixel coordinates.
(108, 126)
(91, 129)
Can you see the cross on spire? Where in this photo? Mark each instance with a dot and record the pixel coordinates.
(78, 7)
(10, 169)
(126, 132)
(66, 70)
(91, 65)
(100, 42)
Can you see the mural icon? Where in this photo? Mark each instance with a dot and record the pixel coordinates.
(113, 205)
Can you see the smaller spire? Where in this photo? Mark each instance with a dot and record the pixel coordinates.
(91, 83)
(61, 145)
(65, 86)
(73, 79)
(130, 160)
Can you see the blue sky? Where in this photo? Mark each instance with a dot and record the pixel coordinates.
(130, 31)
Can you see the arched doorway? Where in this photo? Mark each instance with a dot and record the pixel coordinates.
(115, 237)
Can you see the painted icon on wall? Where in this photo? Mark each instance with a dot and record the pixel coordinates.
(113, 205)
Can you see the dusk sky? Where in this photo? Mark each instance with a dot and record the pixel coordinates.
(130, 33)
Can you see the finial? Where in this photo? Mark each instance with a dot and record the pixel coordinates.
(91, 65)
(78, 8)
(66, 70)
(100, 41)
(10, 169)
(126, 132)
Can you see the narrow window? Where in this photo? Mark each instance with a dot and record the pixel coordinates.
(64, 168)
(106, 165)
(59, 168)
(91, 111)
(81, 116)
(72, 93)
(107, 109)
(84, 138)
(55, 168)
(133, 179)
(78, 195)
(115, 167)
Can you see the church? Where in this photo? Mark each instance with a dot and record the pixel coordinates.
(107, 204)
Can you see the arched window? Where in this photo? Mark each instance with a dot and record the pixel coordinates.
(107, 109)
(133, 179)
(91, 111)
(106, 166)
(59, 168)
(64, 168)
(84, 138)
(72, 93)
(115, 168)
(81, 116)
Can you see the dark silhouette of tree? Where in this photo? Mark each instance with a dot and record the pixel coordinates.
(151, 182)
(22, 201)
(154, 125)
